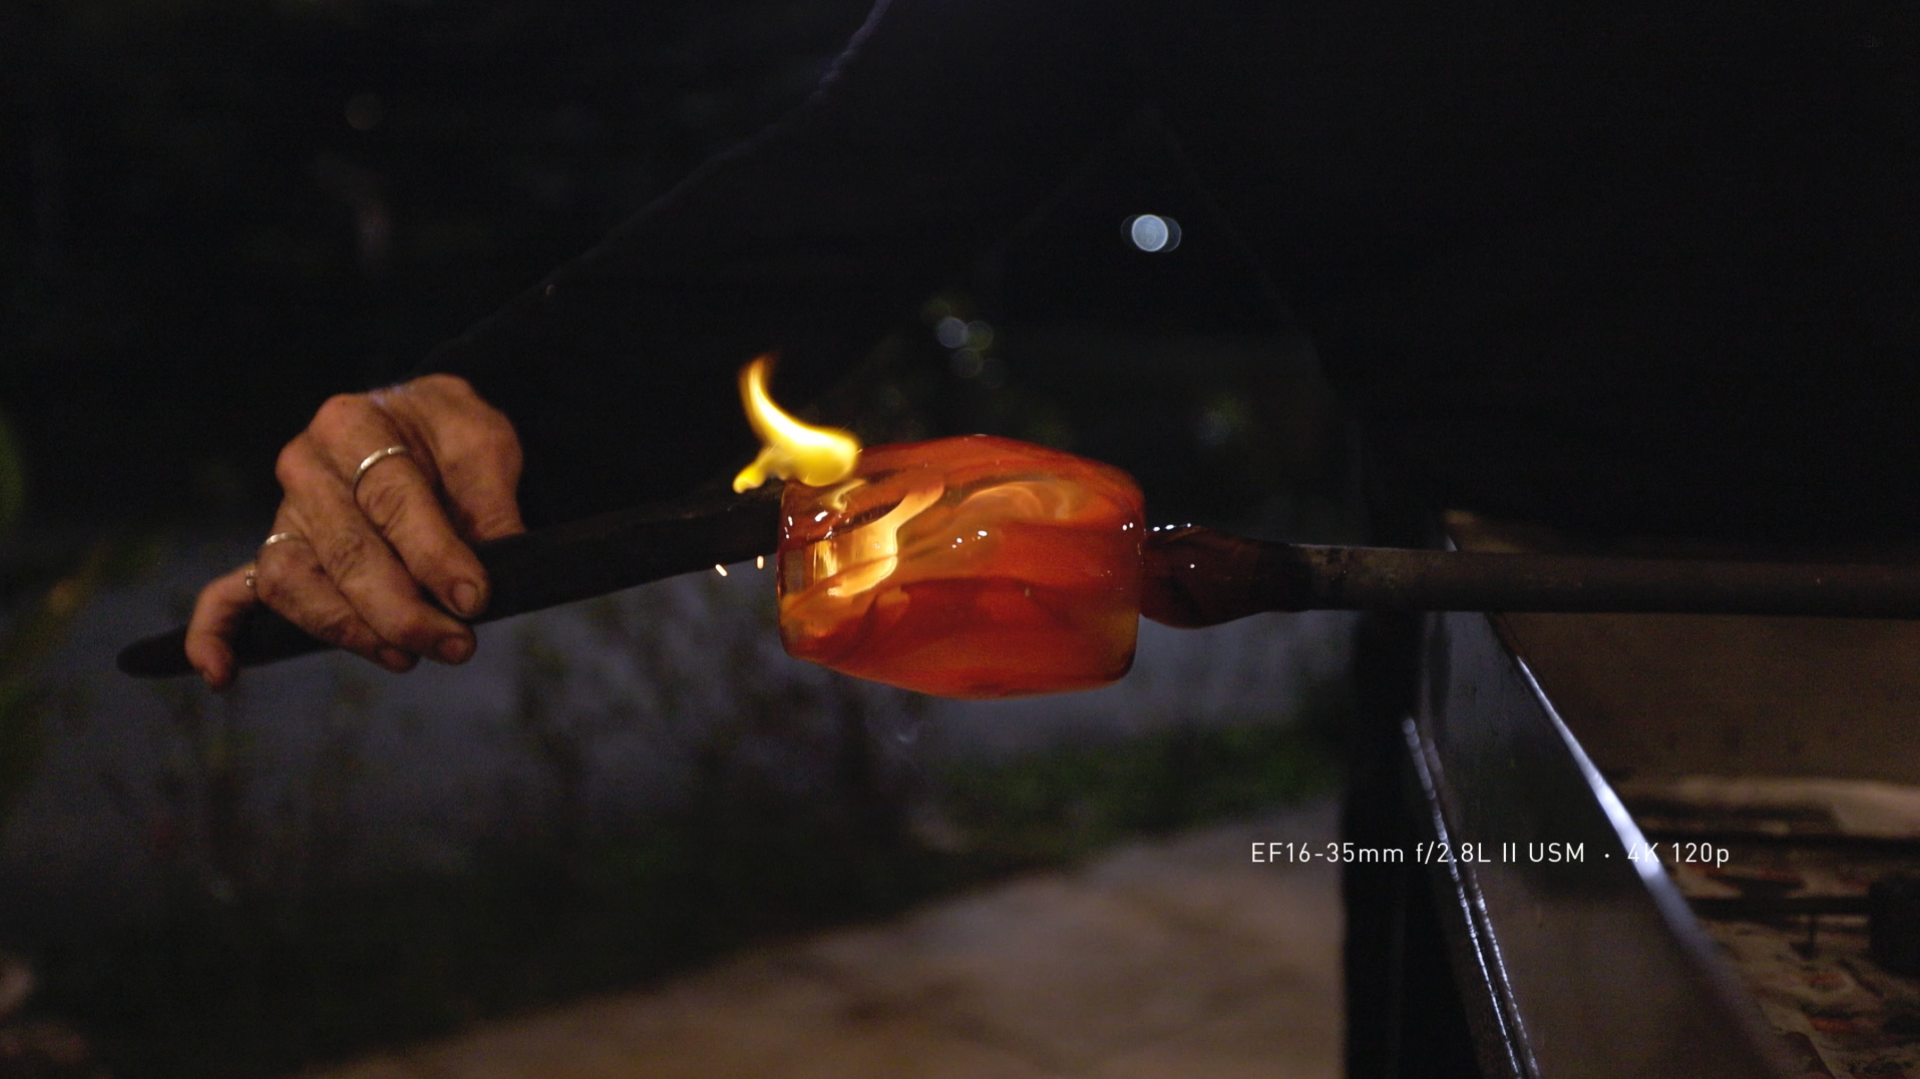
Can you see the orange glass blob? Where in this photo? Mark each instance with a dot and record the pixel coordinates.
(965, 567)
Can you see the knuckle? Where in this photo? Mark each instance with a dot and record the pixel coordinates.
(486, 476)
(341, 627)
(271, 589)
(351, 556)
(408, 629)
(339, 411)
(479, 433)
(277, 589)
(316, 574)
(491, 425)
(441, 558)
(387, 499)
(500, 451)
(442, 393)
(440, 382)
(496, 522)
(292, 462)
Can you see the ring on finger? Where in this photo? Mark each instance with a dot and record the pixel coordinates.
(252, 578)
(375, 458)
(279, 537)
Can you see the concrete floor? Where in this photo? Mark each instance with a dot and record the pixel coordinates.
(1174, 959)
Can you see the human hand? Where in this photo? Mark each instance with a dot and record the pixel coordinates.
(364, 549)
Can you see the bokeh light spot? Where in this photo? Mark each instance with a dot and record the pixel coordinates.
(364, 112)
(1152, 233)
(950, 332)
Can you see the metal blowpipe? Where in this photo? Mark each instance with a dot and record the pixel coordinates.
(1191, 577)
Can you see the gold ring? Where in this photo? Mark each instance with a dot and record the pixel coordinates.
(375, 458)
(276, 538)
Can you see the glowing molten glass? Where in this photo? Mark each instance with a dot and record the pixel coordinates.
(965, 567)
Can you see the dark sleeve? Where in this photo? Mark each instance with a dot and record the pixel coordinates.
(944, 124)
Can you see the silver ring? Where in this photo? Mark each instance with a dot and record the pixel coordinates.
(375, 458)
(252, 579)
(276, 538)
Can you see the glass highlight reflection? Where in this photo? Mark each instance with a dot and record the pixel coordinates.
(965, 567)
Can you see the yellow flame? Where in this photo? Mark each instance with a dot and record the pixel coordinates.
(791, 450)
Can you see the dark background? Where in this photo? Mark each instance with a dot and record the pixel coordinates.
(215, 213)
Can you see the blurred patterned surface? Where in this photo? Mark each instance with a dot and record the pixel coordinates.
(1162, 960)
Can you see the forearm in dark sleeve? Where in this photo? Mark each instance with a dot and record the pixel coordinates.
(944, 124)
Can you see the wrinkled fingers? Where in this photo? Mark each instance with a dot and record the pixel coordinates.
(393, 478)
(291, 580)
(353, 556)
(474, 452)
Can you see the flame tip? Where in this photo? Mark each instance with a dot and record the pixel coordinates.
(791, 450)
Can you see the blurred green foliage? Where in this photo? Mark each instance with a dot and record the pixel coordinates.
(257, 987)
(24, 639)
(39, 600)
(1065, 805)
(279, 945)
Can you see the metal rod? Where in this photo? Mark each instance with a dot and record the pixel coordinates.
(1348, 578)
(1192, 577)
(536, 570)
(1197, 577)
